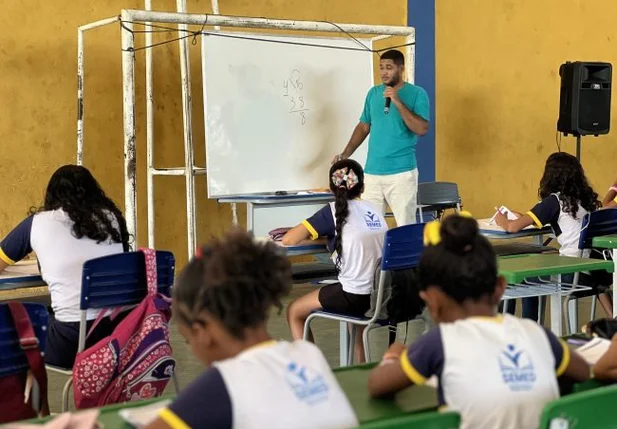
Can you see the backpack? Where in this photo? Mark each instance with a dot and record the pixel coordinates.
(15, 386)
(136, 361)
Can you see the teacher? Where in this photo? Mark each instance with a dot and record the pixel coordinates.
(391, 172)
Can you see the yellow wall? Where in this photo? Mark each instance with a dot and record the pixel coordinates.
(38, 106)
(497, 83)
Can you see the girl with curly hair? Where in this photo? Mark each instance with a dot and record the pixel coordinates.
(77, 222)
(566, 197)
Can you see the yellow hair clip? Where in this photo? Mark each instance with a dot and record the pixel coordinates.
(432, 235)
(465, 213)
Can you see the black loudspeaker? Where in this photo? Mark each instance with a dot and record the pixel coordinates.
(585, 98)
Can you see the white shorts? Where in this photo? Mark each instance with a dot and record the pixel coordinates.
(399, 191)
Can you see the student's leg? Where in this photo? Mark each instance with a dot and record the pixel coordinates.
(401, 192)
(299, 310)
(607, 304)
(359, 346)
(373, 191)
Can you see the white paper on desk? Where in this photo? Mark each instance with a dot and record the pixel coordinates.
(593, 350)
(485, 225)
(142, 416)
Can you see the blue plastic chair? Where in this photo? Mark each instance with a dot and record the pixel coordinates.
(402, 249)
(117, 280)
(596, 224)
(12, 358)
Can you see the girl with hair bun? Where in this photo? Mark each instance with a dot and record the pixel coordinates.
(496, 371)
(355, 231)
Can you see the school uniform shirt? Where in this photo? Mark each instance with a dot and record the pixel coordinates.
(363, 236)
(497, 372)
(274, 385)
(567, 229)
(61, 257)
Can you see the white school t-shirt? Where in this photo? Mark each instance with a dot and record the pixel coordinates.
(275, 385)
(363, 237)
(61, 257)
(497, 372)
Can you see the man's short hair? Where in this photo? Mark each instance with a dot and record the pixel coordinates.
(397, 57)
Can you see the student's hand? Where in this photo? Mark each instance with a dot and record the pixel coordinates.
(501, 220)
(338, 158)
(394, 352)
(392, 93)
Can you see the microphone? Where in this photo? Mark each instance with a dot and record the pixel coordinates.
(386, 108)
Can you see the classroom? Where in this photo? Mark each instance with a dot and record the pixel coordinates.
(308, 214)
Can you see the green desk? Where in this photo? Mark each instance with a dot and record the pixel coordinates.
(353, 380)
(609, 242)
(516, 269)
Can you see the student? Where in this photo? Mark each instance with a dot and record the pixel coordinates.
(566, 197)
(77, 222)
(355, 230)
(496, 371)
(222, 299)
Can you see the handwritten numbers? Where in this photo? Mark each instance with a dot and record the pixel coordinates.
(293, 87)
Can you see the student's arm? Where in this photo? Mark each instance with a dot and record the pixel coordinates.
(414, 120)
(402, 367)
(321, 224)
(513, 226)
(16, 245)
(567, 363)
(606, 367)
(188, 410)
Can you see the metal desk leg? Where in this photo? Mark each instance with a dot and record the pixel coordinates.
(344, 343)
(249, 216)
(556, 310)
(539, 240)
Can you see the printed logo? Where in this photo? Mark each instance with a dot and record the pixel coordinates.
(308, 385)
(372, 220)
(517, 370)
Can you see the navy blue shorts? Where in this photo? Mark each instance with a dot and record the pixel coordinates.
(334, 299)
(63, 339)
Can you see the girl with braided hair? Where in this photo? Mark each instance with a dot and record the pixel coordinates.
(355, 231)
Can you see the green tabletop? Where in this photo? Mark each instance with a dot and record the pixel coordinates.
(354, 382)
(605, 242)
(515, 269)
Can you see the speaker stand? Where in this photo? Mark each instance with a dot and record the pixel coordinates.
(578, 148)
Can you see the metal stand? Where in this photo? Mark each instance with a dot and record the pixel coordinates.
(578, 148)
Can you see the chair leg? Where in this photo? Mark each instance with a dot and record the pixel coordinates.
(66, 392)
(365, 344)
(307, 328)
(594, 301)
(573, 313)
(352, 345)
(505, 306)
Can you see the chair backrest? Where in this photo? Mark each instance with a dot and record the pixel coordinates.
(12, 358)
(438, 193)
(589, 410)
(402, 247)
(432, 420)
(597, 224)
(120, 279)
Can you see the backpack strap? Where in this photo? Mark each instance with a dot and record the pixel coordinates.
(151, 275)
(29, 343)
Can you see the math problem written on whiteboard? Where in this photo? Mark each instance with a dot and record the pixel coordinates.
(293, 89)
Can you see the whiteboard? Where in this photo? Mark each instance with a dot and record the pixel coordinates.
(276, 114)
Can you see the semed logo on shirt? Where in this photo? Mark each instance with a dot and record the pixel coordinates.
(372, 220)
(517, 370)
(308, 385)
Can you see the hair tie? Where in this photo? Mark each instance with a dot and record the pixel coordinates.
(345, 178)
(432, 235)
(199, 253)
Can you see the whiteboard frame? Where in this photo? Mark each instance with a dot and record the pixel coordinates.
(129, 17)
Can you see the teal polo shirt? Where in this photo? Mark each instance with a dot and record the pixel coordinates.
(391, 145)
